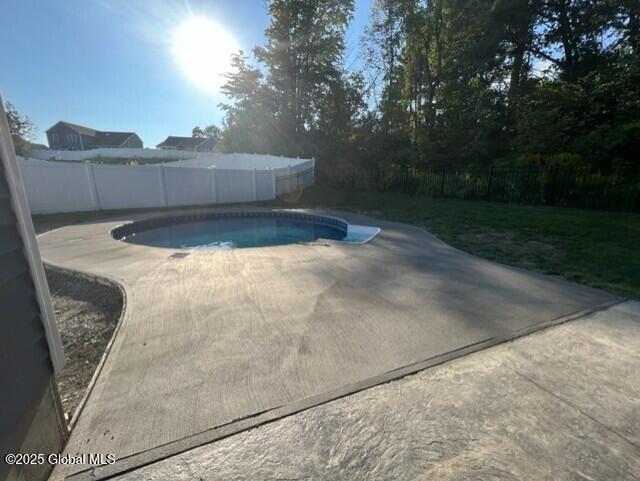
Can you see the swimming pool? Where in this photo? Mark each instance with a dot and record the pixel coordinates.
(228, 230)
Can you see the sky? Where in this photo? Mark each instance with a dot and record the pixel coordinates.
(129, 65)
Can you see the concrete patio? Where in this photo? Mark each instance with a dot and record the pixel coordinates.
(560, 404)
(219, 341)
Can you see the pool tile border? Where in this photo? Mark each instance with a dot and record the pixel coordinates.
(131, 228)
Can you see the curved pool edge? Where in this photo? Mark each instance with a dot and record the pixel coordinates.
(355, 234)
(366, 232)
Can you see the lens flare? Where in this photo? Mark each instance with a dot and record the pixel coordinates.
(203, 51)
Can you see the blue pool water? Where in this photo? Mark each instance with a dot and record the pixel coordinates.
(238, 232)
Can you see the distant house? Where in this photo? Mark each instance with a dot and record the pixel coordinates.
(195, 144)
(68, 136)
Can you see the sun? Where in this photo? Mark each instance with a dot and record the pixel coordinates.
(203, 51)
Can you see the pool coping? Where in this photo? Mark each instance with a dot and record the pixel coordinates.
(122, 231)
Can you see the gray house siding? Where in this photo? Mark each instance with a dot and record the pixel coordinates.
(25, 364)
(67, 136)
(133, 142)
(23, 342)
(86, 142)
(207, 145)
(61, 137)
(175, 142)
(26, 359)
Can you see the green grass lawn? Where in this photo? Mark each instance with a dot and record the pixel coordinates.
(595, 248)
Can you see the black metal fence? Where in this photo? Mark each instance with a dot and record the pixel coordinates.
(616, 189)
(294, 182)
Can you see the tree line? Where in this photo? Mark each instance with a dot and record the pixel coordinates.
(438, 83)
(442, 83)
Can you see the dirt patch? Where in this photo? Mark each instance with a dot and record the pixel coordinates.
(513, 249)
(87, 313)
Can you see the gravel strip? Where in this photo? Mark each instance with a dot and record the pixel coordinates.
(87, 313)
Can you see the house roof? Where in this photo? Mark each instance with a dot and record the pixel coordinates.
(100, 138)
(110, 139)
(81, 129)
(39, 146)
(185, 142)
(209, 142)
(177, 141)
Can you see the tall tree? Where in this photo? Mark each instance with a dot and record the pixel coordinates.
(303, 59)
(250, 121)
(383, 44)
(197, 133)
(212, 132)
(444, 82)
(571, 34)
(518, 18)
(21, 129)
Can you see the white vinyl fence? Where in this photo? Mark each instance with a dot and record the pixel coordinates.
(178, 158)
(128, 153)
(71, 186)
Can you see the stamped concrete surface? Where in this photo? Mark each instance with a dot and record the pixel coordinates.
(561, 404)
(220, 335)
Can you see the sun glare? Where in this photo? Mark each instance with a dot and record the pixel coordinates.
(203, 50)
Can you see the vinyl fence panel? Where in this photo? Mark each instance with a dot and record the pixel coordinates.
(131, 153)
(187, 186)
(265, 184)
(58, 188)
(73, 186)
(125, 187)
(234, 186)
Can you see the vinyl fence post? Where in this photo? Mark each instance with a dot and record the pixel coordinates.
(288, 178)
(274, 181)
(442, 183)
(255, 185)
(93, 187)
(214, 190)
(163, 184)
